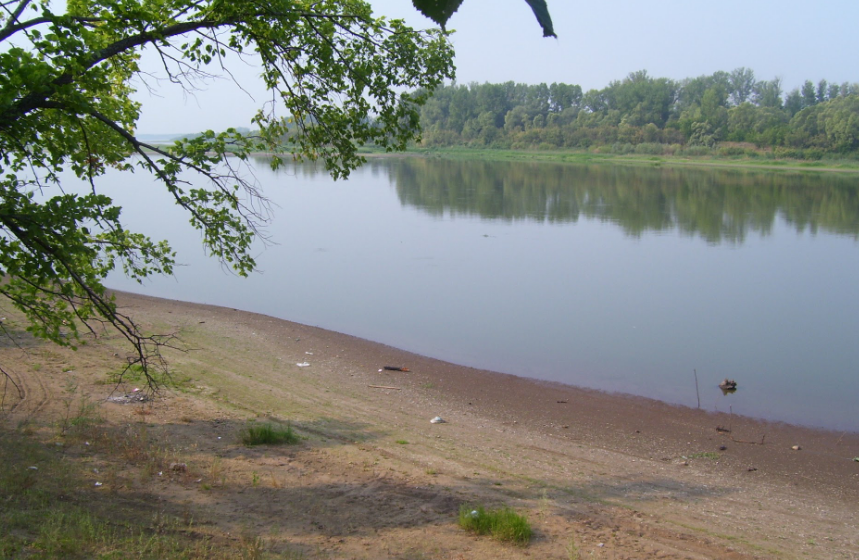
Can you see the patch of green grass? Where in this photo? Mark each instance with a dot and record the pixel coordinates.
(402, 442)
(268, 434)
(503, 524)
(579, 156)
(705, 455)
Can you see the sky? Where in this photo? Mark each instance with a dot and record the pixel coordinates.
(598, 42)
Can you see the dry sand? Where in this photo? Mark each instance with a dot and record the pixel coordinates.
(599, 475)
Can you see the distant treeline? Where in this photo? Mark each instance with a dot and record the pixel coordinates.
(730, 113)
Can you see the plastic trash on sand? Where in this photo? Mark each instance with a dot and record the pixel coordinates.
(302, 364)
(438, 420)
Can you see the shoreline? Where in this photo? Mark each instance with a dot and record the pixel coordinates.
(545, 383)
(615, 420)
(581, 157)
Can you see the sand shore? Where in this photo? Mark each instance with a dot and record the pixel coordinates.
(602, 475)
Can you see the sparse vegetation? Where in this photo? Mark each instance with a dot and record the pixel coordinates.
(79, 412)
(48, 513)
(268, 434)
(705, 455)
(503, 524)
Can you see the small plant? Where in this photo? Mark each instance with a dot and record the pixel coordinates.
(78, 411)
(254, 479)
(268, 434)
(252, 547)
(402, 442)
(132, 373)
(216, 472)
(705, 455)
(503, 524)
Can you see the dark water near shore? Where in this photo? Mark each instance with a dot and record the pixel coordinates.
(620, 278)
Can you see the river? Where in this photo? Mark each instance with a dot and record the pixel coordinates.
(615, 277)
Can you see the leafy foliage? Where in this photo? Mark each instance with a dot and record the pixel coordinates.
(440, 12)
(336, 73)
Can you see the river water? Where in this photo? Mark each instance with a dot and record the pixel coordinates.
(614, 277)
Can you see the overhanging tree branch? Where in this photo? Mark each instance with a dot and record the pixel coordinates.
(66, 104)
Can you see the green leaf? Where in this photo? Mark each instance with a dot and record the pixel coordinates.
(541, 10)
(437, 10)
(440, 12)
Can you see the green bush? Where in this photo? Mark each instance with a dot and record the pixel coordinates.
(267, 434)
(503, 524)
(732, 151)
(650, 149)
(814, 154)
(788, 153)
(696, 151)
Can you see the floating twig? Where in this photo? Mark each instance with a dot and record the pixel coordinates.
(697, 393)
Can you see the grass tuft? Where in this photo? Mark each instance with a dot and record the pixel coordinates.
(503, 524)
(268, 434)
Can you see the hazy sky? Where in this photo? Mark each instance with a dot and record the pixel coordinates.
(598, 41)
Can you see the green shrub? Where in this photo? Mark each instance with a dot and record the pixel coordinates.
(696, 151)
(814, 154)
(268, 434)
(503, 524)
(650, 149)
(732, 151)
(788, 153)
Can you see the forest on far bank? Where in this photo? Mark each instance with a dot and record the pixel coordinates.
(727, 113)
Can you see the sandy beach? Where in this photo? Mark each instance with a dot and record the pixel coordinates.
(598, 475)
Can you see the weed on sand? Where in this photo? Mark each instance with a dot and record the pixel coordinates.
(503, 524)
(268, 434)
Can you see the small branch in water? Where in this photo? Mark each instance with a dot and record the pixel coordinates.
(762, 442)
(697, 393)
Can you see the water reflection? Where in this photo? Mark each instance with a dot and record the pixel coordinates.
(718, 205)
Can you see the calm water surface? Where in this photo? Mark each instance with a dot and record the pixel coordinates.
(619, 278)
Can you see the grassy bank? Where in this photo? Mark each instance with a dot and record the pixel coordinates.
(581, 157)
